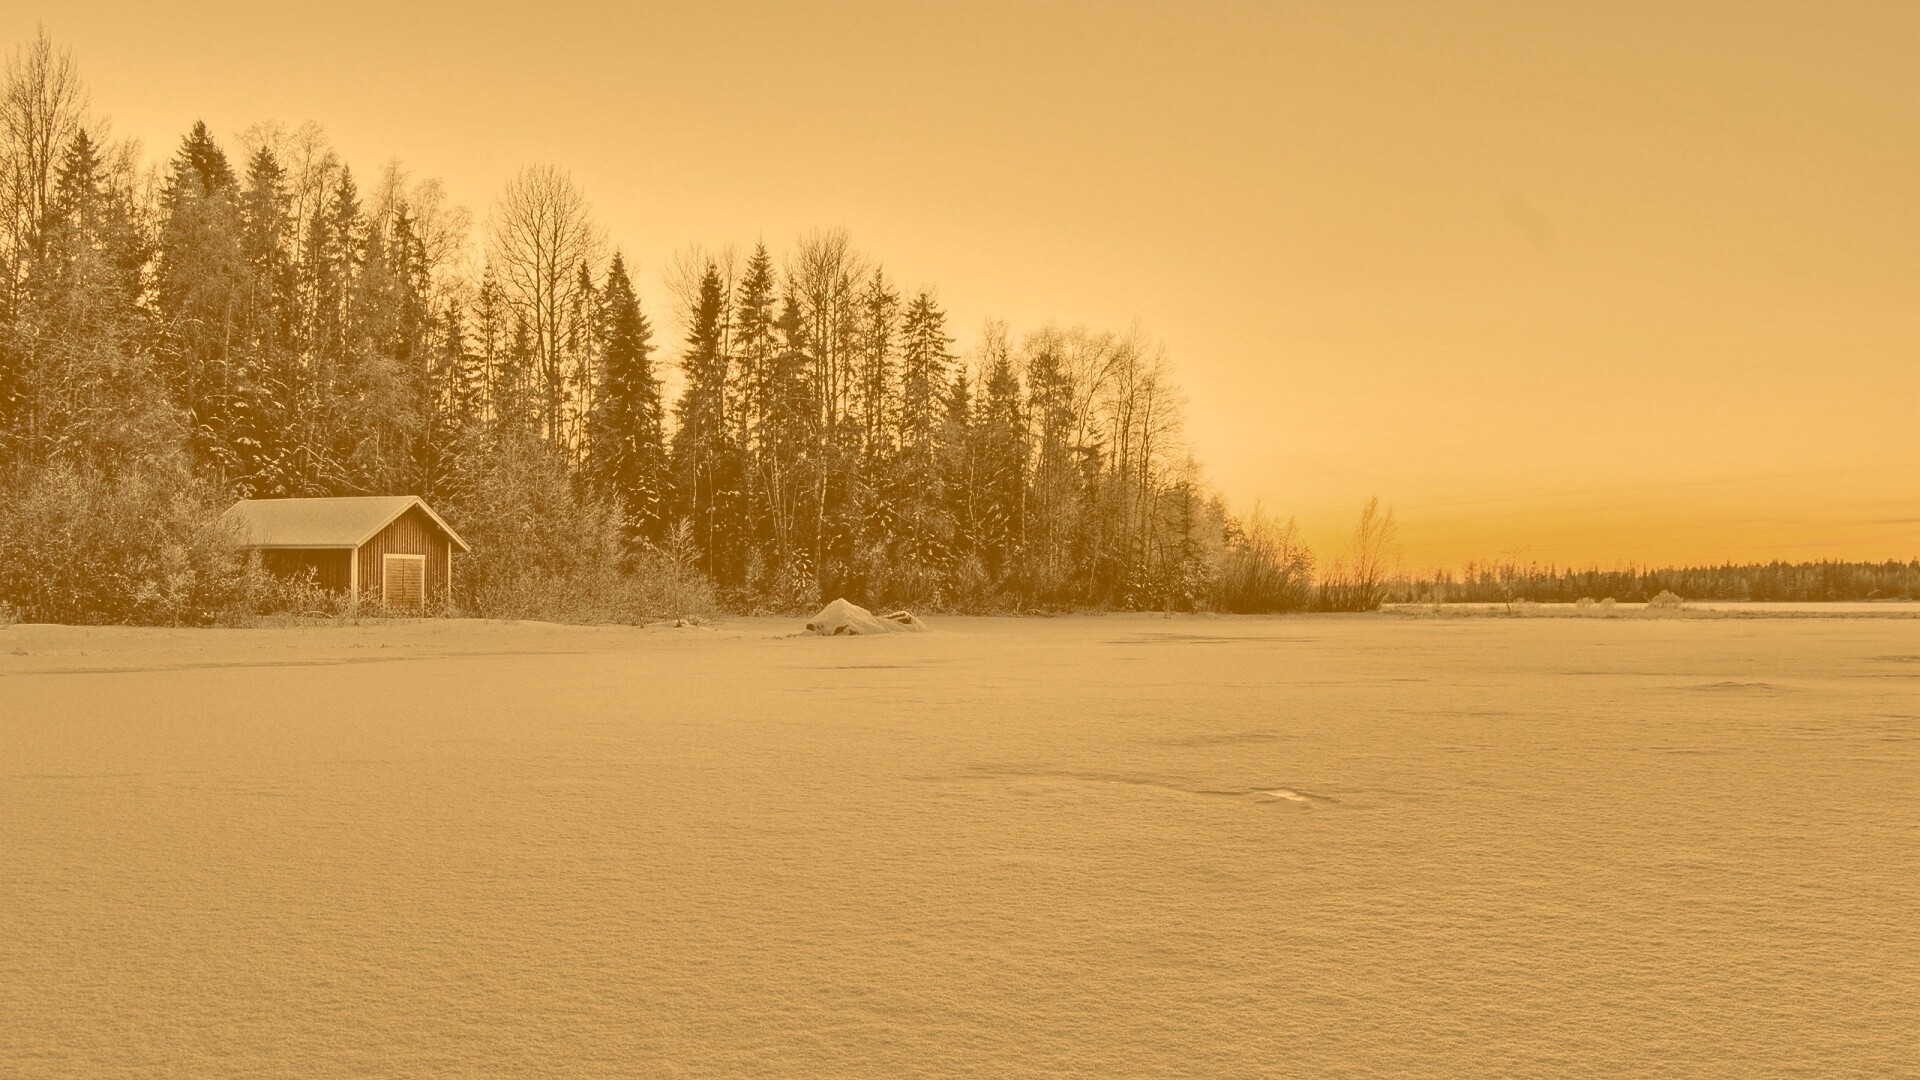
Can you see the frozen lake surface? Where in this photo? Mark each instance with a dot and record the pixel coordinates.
(1124, 846)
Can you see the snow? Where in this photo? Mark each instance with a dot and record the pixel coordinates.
(1121, 846)
(842, 618)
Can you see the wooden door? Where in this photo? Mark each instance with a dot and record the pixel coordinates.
(403, 582)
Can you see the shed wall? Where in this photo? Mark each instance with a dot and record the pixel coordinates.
(330, 567)
(412, 533)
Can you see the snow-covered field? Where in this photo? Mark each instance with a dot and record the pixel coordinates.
(1122, 846)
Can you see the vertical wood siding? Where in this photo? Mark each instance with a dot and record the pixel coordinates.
(412, 533)
(329, 567)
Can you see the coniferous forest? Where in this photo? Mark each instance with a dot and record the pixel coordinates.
(253, 317)
(1775, 582)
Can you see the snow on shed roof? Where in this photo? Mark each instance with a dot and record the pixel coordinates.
(325, 523)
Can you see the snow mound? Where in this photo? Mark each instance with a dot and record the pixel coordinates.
(842, 617)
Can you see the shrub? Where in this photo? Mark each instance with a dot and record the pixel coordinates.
(1359, 580)
(275, 599)
(143, 546)
(1265, 568)
(542, 549)
(1666, 600)
(773, 586)
(668, 580)
(1588, 607)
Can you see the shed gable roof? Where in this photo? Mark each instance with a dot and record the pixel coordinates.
(346, 522)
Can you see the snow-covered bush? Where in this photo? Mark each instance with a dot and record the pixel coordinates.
(667, 577)
(543, 549)
(1266, 567)
(145, 546)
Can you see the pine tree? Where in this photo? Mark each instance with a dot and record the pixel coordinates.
(268, 314)
(342, 252)
(384, 442)
(1002, 438)
(266, 243)
(460, 390)
(451, 404)
(706, 481)
(519, 383)
(924, 360)
(583, 350)
(490, 331)
(77, 203)
(626, 455)
(78, 385)
(873, 389)
(752, 355)
(790, 458)
(365, 376)
(924, 531)
(199, 290)
(958, 466)
(752, 349)
(1052, 526)
(321, 406)
(202, 159)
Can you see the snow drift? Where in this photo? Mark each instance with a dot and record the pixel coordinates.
(842, 617)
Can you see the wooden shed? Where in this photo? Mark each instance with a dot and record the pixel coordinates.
(389, 549)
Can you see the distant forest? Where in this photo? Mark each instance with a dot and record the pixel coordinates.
(255, 319)
(1775, 581)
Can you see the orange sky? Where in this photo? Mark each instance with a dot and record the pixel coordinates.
(1636, 283)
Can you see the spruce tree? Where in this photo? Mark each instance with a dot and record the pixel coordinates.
(490, 332)
(626, 455)
(704, 465)
(343, 239)
(873, 389)
(457, 371)
(583, 347)
(77, 385)
(958, 466)
(925, 355)
(519, 380)
(752, 348)
(924, 531)
(267, 321)
(790, 459)
(1002, 438)
(199, 291)
(266, 243)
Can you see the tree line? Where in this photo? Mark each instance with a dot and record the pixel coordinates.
(256, 319)
(1773, 581)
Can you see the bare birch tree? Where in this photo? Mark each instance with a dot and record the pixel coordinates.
(42, 107)
(1358, 581)
(826, 275)
(541, 232)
